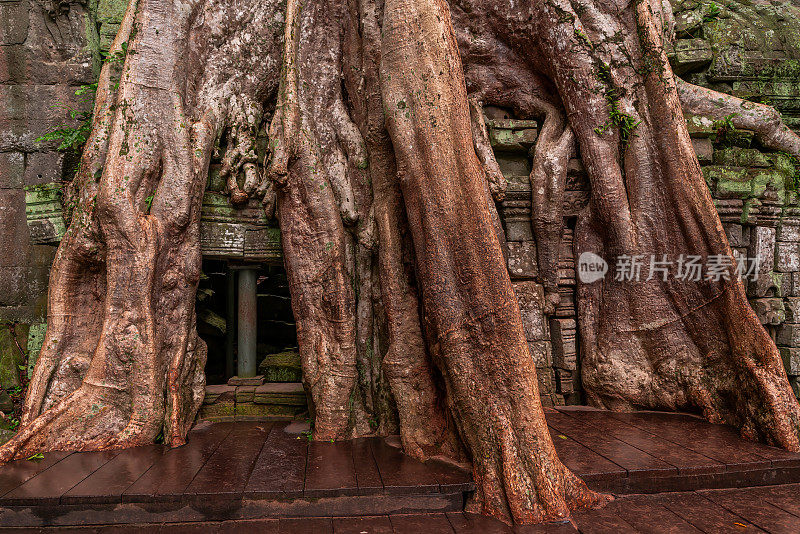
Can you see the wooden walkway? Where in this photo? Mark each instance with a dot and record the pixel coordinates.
(247, 470)
(773, 509)
(649, 452)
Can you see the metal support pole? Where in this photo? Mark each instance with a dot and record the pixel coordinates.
(247, 323)
(230, 326)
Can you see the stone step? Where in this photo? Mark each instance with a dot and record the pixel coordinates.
(283, 393)
(270, 401)
(281, 367)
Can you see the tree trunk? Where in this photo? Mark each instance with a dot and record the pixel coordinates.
(382, 178)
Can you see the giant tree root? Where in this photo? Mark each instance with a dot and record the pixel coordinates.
(472, 316)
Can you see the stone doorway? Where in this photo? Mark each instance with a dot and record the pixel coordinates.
(244, 315)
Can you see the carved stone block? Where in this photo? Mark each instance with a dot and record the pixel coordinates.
(738, 236)
(789, 232)
(565, 381)
(530, 296)
(728, 182)
(522, 259)
(564, 336)
(762, 248)
(791, 359)
(704, 150)
(770, 311)
(541, 352)
(741, 157)
(512, 140)
(518, 229)
(44, 213)
(787, 257)
(788, 335)
(690, 54)
(792, 309)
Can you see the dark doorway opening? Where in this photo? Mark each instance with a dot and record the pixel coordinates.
(217, 311)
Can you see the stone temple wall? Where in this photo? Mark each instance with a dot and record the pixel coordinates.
(43, 59)
(50, 48)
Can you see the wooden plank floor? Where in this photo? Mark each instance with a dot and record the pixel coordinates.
(254, 469)
(651, 452)
(770, 509)
(226, 460)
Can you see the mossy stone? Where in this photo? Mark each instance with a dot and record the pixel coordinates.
(10, 354)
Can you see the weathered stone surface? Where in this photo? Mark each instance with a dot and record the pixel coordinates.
(222, 239)
(728, 182)
(281, 367)
(519, 229)
(522, 259)
(770, 311)
(39, 102)
(787, 257)
(286, 393)
(219, 411)
(795, 383)
(245, 394)
(13, 230)
(262, 244)
(547, 380)
(564, 336)
(741, 157)
(215, 392)
(6, 404)
(791, 359)
(13, 23)
(12, 353)
(246, 381)
(704, 149)
(792, 309)
(541, 352)
(13, 285)
(789, 231)
(256, 412)
(687, 23)
(43, 167)
(788, 335)
(12, 168)
(513, 164)
(699, 127)
(738, 236)
(530, 296)
(762, 247)
(690, 54)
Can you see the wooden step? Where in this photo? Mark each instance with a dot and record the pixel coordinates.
(241, 470)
